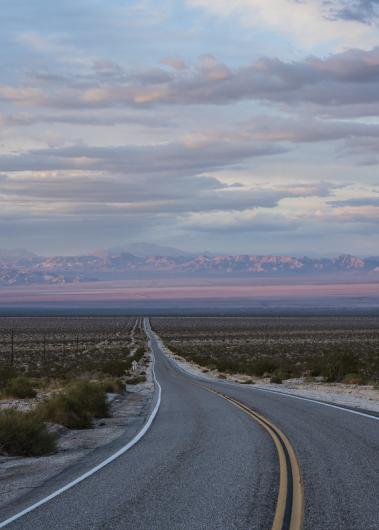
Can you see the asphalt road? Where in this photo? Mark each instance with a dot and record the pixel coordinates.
(205, 464)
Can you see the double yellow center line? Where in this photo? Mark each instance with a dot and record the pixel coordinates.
(290, 502)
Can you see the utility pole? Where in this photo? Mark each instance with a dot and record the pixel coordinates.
(12, 348)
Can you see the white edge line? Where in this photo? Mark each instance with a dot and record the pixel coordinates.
(247, 387)
(94, 470)
(345, 409)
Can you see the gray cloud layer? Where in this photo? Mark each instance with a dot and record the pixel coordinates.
(151, 138)
(365, 11)
(346, 78)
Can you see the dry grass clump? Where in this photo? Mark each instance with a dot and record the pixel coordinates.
(135, 380)
(24, 434)
(111, 367)
(20, 387)
(113, 386)
(354, 379)
(76, 406)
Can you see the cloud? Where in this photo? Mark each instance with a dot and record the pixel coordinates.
(366, 11)
(175, 62)
(88, 118)
(365, 213)
(151, 184)
(55, 45)
(338, 80)
(308, 129)
(34, 40)
(25, 95)
(357, 202)
(309, 22)
(180, 158)
(206, 119)
(238, 222)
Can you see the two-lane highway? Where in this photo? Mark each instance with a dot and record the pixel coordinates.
(207, 463)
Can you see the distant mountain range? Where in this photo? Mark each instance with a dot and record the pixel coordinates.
(24, 268)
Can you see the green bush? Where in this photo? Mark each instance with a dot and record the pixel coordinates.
(339, 365)
(24, 434)
(114, 367)
(276, 379)
(76, 407)
(263, 366)
(91, 396)
(20, 387)
(65, 411)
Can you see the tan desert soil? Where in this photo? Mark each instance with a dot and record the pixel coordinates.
(129, 411)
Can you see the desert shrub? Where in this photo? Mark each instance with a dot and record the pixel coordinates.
(221, 376)
(338, 365)
(263, 366)
(24, 434)
(331, 347)
(139, 353)
(76, 407)
(20, 387)
(115, 386)
(276, 379)
(114, 367)
(6, 374)
(41, 382)
(65, 411)
(354, 379)
(248, 382)
(91, 396)
(136, 380)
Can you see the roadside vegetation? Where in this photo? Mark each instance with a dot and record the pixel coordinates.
(333, 349)
(25, 434)
(62, 371)
(76, 406)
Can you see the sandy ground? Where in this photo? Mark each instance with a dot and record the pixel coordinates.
(364, 397)
(129, 411)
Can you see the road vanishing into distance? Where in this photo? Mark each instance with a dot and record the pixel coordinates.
(223, 456)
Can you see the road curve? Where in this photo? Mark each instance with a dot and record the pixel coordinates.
(207, 464)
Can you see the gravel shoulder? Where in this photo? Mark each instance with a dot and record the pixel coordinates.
(364, 397)
(128, 414)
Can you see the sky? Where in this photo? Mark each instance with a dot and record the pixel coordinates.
(249, 126)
